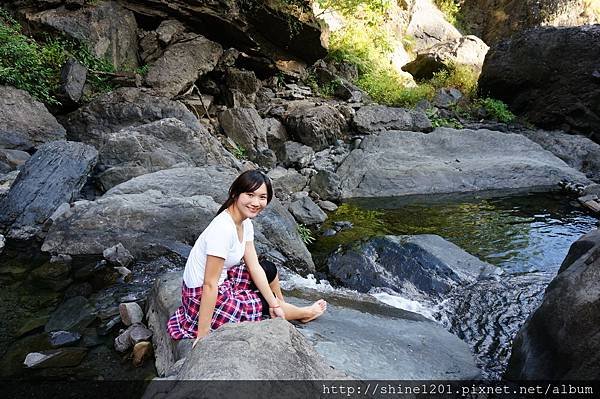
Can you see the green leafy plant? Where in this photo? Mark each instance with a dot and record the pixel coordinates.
(495, 109)
(451, 10)
(306, 235)
(438, 121)
(240, 152)
(461, 77)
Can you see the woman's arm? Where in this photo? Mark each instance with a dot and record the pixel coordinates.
(212, 271)
(259, 278)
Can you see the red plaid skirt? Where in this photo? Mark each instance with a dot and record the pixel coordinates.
(237, 301)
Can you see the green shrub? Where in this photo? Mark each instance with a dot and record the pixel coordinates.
(35, 66)
(495, 109)
(240, 152)
(306, 235)
(438, 121)
(387, 87)
(461, 77)
(451, 9)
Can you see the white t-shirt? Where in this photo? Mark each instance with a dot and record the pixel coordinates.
(220, 239)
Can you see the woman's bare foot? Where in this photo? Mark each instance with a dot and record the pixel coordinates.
(316, 310)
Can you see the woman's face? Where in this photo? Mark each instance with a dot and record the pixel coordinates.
(250, 204)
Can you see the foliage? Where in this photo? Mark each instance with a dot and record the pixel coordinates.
(495, 109)
(451, 9)
(438, 121)
(306, 235)
(240, 152)
(387, 87)
(461, 77)
(35, 66)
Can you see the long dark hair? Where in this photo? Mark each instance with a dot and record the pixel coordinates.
(247, 182)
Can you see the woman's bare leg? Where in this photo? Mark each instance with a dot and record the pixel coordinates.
(292, 312)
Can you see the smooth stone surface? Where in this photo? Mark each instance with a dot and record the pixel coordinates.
(74, 314)
(447, 160)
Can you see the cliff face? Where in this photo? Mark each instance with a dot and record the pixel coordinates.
(493, 20)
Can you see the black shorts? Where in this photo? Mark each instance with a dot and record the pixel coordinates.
(271, 272)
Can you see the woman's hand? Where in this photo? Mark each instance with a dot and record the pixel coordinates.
(277, 312)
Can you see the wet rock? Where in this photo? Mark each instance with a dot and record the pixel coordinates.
(121, 108)
(109, 30)
(74, 314)
(467, 51)
(141, 352)
(63, 357)
(64, 338)
(31, 200)
(182, 63)
(73, 76)
(315, 126)
(25, 123)
(107, 326)
(131, 313)
(558, 341)
(80, 289)
(52, 275)
(377, 118)
(293, 154)
(123, 342)
(307, 212)
(12, 159)
(425, 266)
(286, 181)
(542, 84)
(139, 333)
(245, 127)
(2, 243)
(118, 255)
(448, 160)
(126, 274)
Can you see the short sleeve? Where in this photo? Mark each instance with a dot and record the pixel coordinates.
(218, 241)
(248, 231)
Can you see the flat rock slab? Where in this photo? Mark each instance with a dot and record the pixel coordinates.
(52, 176)
(397, 163)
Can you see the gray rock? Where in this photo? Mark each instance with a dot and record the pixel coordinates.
(377, 118)
(53, 358)
(73, 76)
(12, 159)
(542, 84)
(2, 243)
(123, 108)
(446, 98)
(74, 314)
(558, 341)
(168, 30)
(448, 160)
(6, 181)
(139, 333)
(276, 133)
(148, 224)
(424, 266)
(315, 126)
(286, 181)
(118, 255)
(123, 342)
(468, 51)
(245, 127)
(64, 338)
(307, 212)
(157, 145)
(428, 26)
(25, 123)
(31, 200)
(150, 48)
(109, 30)
(293, 154)
(182, 63)
(52, 275)
(327, 185)
(579, 152)
(131, 313)
(243, 83)
(328, 206)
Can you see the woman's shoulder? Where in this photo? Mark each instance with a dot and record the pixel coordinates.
(220, 223)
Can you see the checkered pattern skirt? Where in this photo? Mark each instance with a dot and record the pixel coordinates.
(237, 301)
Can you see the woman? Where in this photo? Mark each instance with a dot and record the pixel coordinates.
(218, 287)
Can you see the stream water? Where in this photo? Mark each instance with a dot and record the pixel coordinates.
(526, 234)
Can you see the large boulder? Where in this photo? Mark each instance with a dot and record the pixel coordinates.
(109, 30)
(164, 212)
(315, 126)
(139, 150)
(11, 160)
(493, 20)
(560, 340)
(466, 51)
(425, 266)
(541, 83)
(52, 176)
(25, 123)
(377, 118)
(123, 108)
(372, 340)
(182, 63)
(579, 152)
(448, 160)
(428, 26)
(246, 128)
